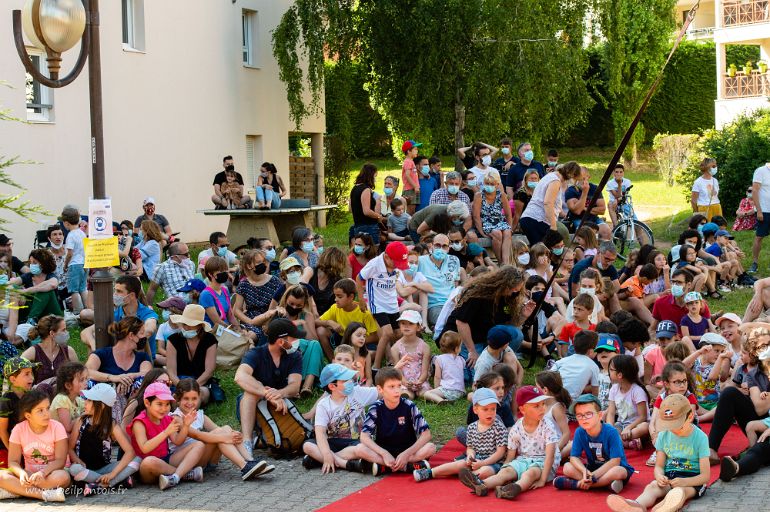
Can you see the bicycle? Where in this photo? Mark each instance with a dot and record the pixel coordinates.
(629, 233)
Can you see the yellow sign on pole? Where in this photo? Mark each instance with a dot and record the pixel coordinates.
(101, 253)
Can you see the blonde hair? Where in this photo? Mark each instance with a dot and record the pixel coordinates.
(492, 177)
(537, 250)
(449, 342)
(345, 349)
(706, 164)
(517, 246)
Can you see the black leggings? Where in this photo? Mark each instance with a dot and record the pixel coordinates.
(756, 457)
(732, 405)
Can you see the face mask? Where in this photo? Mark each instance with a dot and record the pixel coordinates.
(439, 254)
(425, 170)
(412, 270)
(59, 246)
(489, 189)
(458, 222)
(3, 279)
(600, 264)
(538, 296)
(293, 277)
(222, 252)
(292, 311)
(221, 277)
(34, 269)
(700, 228)
(359, 249)
(118, 300)
(588, 291)
(677, 290)
(294, 347)
(749, 195)
(166, 314)
(260, 269)
(532, 184)
(456, 246)
(189, 334)
(713, 171)
(263, 174)
(308, 247)
(529, 155)
(452, 189)
(139, 237)
(552, 164)
(506, 151)
(319, 250)
(523, 259)
(270, 255)
(558, 251)
(471, 183)
(62, 338)
(388, 191)
(350, 386)
(486, 160)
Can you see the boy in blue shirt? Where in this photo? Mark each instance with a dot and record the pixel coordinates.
(605, 460)
(429, 181)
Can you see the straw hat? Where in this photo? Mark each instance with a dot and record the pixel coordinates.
(193, 315)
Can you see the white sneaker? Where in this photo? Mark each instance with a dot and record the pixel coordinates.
(7, 495)
(53, 495)
(653, 459)
(166, 481)
(194, 475)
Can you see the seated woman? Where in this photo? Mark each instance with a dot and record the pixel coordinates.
(251, 304)
(522, 196)
(122, 364)
(130, 257)
(331, 268)
(40, 286)
(270, 188)
(438, 218)
(492, 217)
(193, 352)
(296, 304)
(150, 238)
(52, 351)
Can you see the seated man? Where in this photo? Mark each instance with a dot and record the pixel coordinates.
(451, 191)
(173, 273)
(443, 272)
(218, 246)
(219, 199)
(603, 261)
(149, 214)
(578, 196)
(269, 372)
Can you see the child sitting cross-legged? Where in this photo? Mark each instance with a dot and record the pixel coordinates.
(338, 421)
(486, 441)
(395, 435)
(710, 367)
(627, 409)
(449, 367)
(682, 468)
(532, 457)
(605, 460)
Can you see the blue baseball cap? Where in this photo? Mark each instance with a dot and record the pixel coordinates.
(334, 372)
(722, 232)
(609, 342)
(475, 249)
(666, 329)
(501, 335)
(709, 227)
(485, 396)
(193, 284)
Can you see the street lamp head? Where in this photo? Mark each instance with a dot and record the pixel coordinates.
(54, 25)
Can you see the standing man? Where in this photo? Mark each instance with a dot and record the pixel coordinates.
(148, 205)
(508, 159)
(469, 155)
(516, 172)
(760, 193)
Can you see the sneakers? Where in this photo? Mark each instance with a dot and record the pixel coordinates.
(194, 475)
(53, 495)
(729, 468)
(471, 480)
(673, 501)
(564, 482)
(378, 470)
(416, 466)
(420, 475)
(508, 492)
(359, 466)
(309, 462)
(550, 364)
(653, 459)
(616, 486)
(252, 468)
(7, 495)
(618, 503)
(633, 444)
(753, 269)
(166, 481)
(725, 289)
(90, 489)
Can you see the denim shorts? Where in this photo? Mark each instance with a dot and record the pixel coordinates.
(76, 278)
(522, 464)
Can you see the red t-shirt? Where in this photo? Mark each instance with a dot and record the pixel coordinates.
(568, 331)
(408, 168)
(355, 266)
(690, 398)
(666, 308)
(153, 430)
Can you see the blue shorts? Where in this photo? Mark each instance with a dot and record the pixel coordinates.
(699, 490)
(76, 278)
(763, 226)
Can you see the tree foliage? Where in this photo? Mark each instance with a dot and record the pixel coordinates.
(673, 154)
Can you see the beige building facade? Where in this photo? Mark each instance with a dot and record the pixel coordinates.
(185, 82)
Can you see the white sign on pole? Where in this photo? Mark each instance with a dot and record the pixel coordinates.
(99, 219)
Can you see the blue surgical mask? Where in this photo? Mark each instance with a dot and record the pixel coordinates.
(505, 151)
(35, 269)
(359, 249)
(388, 191)
(350, 386)
(425, 170)
(529, 155)
(486, 160)
(700, 228)
(458, 222)
(293, 277)
(118, 300)
(222, 251)
(270, 254)
(713, 171)
(552, 164)
(189, 334)
(412, 270)
(439, 254)
(319, 250)
(140, 237)
(472, 183)
(558, 250)
(677, 290)
(308, 247)
(452, 189)
(532, 184)
(166, 314)
(489, 189)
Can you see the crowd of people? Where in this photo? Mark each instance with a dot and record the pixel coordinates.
(633, 354)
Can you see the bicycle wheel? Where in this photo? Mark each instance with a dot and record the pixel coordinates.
(626, 241)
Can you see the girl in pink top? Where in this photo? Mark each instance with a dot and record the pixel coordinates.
(43, 444)
(150, 433)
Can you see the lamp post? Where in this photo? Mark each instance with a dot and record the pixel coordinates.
(55, 26)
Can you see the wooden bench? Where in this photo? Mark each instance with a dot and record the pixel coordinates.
(276, 224)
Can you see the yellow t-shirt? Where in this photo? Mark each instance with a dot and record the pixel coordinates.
(61, 401)
(344, 318)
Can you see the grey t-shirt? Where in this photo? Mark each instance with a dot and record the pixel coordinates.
(398, 224)
(427, 215)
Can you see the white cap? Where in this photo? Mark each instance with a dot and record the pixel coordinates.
(729, 316)
(103, 393)
(713, 338)
(412, 316)
(148, 200)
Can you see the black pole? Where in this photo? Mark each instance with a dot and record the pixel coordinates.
(101, 279)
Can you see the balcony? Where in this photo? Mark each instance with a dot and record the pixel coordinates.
(747, 86)
(745, 12)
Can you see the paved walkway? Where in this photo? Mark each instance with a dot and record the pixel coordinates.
(745, 494)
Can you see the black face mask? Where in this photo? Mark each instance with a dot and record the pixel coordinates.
(260, 269)
(292, 311)
(221, 277)
(538, 296)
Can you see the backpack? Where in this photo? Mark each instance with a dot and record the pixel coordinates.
(282, 434)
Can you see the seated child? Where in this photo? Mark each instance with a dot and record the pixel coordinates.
(497, 383)
(693, 324)
(676, 380)
(578, 372)
(549, 383)
(605, 460)
(748, 362)
(398, 221)
(710, 366)
(170, 306)
(448, 379)
(339, 419)
(332, 324)
(582, 306)
(627, 410)
(532, 458)
(19, 376)
(355, 337)
(413, 288)
(654, 358)
(606, 350)
(66, 406)
(498, 350)
(395, 435)
(631, 293)
(486, 441)
(682, 470)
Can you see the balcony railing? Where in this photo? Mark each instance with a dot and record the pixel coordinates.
(746, 86)
(745, 12)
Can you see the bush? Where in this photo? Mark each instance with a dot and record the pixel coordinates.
(336, 177)
(739, 149)
(672, 154)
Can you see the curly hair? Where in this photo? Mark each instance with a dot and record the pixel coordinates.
(332, 262)
(45, 259)
(488, 286)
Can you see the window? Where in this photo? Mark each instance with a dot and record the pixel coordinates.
(133, 24)
(39, 97)
(250, 38)
(253, 160)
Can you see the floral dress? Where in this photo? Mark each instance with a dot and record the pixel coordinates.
(256, 300)
(748, 222)
(492, 217)
(413, 368)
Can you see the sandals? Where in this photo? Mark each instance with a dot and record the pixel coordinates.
(715, 295)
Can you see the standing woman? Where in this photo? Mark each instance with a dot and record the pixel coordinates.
(192, 353)
(705, 191)
(149, 247)
(253, 295)
(269, 188)
(542, 212)
(362, 204)
(492, 216)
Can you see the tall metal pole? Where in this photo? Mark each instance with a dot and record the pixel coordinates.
(102, 279)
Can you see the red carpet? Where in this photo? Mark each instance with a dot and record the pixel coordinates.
(400, 492)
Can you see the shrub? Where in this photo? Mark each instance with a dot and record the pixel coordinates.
(672, 154)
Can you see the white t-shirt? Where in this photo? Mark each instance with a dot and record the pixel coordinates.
(480, 173)
(346, 418)
(417, 278)
(708, 191)
(380, 286)
(75, 242)
(230, 257)
(164, 331)
(486, 361)
(762, 176)
(533, 445)
(452, 371)
(613, 185)
(449, 306)
(197, 424)
(577, 371)
(625, 403)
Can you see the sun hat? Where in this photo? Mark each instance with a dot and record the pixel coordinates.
(103, 393)
(192, 316)
(410, 316)
(288, 263)
(485, 396)
(673, 412)
(529, 395)
(713, 338)
(586, 398)
(334, 372)
(158, 390)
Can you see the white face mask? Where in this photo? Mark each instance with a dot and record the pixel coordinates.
(486, 160)
(293, 277)
(588, 291)
(523, 259)
(294, 347)
(56, 246)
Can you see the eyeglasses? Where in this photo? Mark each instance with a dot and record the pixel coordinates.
(678, 382)
(586, 416)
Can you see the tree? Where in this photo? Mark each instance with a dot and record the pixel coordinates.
(638, 33)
